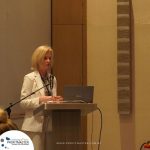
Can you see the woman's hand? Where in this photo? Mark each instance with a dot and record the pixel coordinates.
(45, 99)
(58, 98)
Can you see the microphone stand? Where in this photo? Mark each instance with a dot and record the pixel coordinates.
(8, 109)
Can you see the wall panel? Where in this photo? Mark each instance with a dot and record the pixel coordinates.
(24, 25)
(67, 44)
(67, 11)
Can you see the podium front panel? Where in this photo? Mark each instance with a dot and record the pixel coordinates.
(66, 131)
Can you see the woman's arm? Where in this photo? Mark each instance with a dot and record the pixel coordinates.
(27, 88)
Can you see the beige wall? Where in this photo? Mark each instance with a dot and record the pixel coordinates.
(102, 72)
(102, 60)
(24, 25)
(142, 70)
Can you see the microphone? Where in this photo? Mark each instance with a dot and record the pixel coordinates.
(8, 109)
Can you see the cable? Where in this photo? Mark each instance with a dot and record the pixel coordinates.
(142, 146)
(100, 131)
(92, 133)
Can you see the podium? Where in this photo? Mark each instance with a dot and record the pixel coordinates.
(66, 131)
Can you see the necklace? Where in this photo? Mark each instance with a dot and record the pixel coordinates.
(46, 82)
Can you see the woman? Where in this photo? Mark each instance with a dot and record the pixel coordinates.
(42, 60)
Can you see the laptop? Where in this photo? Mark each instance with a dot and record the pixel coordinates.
(78, 94)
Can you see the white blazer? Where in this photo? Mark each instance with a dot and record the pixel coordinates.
(31, 83)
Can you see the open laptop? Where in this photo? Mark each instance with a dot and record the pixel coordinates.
(78, 94)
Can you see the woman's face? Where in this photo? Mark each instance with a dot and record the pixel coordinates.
(46, 64)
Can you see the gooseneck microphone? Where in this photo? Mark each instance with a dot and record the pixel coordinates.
(8, 109)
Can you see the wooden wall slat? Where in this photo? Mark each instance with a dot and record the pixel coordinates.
(69, 41)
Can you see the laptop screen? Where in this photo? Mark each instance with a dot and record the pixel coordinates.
(78, 93)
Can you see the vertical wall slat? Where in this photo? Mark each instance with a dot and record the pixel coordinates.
(124, 56)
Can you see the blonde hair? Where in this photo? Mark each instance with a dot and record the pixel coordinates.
(6, 124)
(38, 56)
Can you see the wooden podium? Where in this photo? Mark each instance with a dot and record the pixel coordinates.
(66, 124)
